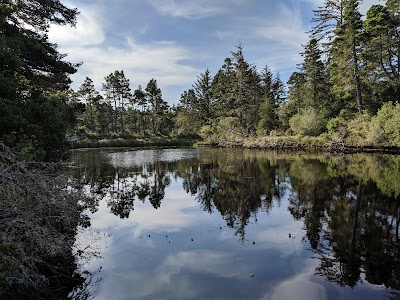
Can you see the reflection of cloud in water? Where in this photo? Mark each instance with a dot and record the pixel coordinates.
(138, 158)
(144, 218)
(299, 287)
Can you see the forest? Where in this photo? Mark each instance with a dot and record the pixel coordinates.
(344, 91)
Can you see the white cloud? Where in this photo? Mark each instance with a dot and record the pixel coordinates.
(194, 10)
(162, 60)
(88, 31)
(275, 39)
(300, 287)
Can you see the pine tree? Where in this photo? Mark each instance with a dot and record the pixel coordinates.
(158, 105)
(117, 91)
(381, 40)
(139, 98)
(328, 17)
(317, 88)
(88, 95)
(202, 89)
(273, 95)
(346, 49)
(247, 91)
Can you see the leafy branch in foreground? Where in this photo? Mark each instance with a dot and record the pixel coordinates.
(39, 219)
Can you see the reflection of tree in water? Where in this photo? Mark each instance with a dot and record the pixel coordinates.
(122, 186)
(351, 226)
(235, 185)
(349, 223)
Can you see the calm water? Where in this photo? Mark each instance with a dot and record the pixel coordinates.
(240, 224)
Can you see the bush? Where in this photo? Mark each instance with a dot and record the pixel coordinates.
(358, 130)
(39, 218)
(387, 123)
(309, 121)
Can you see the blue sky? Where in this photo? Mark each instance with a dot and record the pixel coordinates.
(174, 41)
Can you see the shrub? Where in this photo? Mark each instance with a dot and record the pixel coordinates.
(309, 121)
(387, 123)
(39, 218)
(358, 130)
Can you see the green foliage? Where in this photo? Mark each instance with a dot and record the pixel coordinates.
(387, 123)
(268, 116)
(309, 121)
(358, 130)
(34, 117)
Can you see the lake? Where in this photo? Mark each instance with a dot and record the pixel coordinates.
(242, 224)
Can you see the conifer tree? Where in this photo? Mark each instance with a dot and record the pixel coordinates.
(202, 89)
(158, 106)
(346, 50)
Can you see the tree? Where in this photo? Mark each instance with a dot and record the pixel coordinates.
(158, 105)
(33, 77)
(202, 89)
(222, 88)
(381, 40)
(328, 18)
(88, 95)
(188, 119)
(346, 50)
(273, 95)
(314, 71)
(139, 97)
(118, 92)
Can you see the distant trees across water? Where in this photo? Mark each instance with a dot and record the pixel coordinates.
(345, 90)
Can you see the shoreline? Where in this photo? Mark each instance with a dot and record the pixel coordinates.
(313, 144)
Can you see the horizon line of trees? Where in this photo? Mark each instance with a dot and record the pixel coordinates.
(350, 72)
(345, 88)
(119, 111)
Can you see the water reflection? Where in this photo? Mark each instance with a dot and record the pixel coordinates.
(348, 205)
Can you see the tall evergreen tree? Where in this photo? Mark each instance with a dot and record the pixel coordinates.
(188, 118)
(273, 95)
(346, 50)
(117, 91)
(328, 18)
(222, 88)
(247, 91)
(88, 95)
(202, 89)
(34, 78)
(314, 72)
(158, 105)
(382, 53)
(139, 98)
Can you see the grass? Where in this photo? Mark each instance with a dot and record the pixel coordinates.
(134, 142)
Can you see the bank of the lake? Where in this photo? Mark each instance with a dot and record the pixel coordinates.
(303, 143)
(295, 143)
(133, 142)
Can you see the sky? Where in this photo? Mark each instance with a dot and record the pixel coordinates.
(174, 41)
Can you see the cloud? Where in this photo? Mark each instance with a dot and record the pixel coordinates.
(88, 31)
(88, 43)
(301, 286)
(193, 10)
(275, 39)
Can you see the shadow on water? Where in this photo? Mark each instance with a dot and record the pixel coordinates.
(349, 204)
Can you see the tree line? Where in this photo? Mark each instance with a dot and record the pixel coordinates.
(120, 111)
(345, 90)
